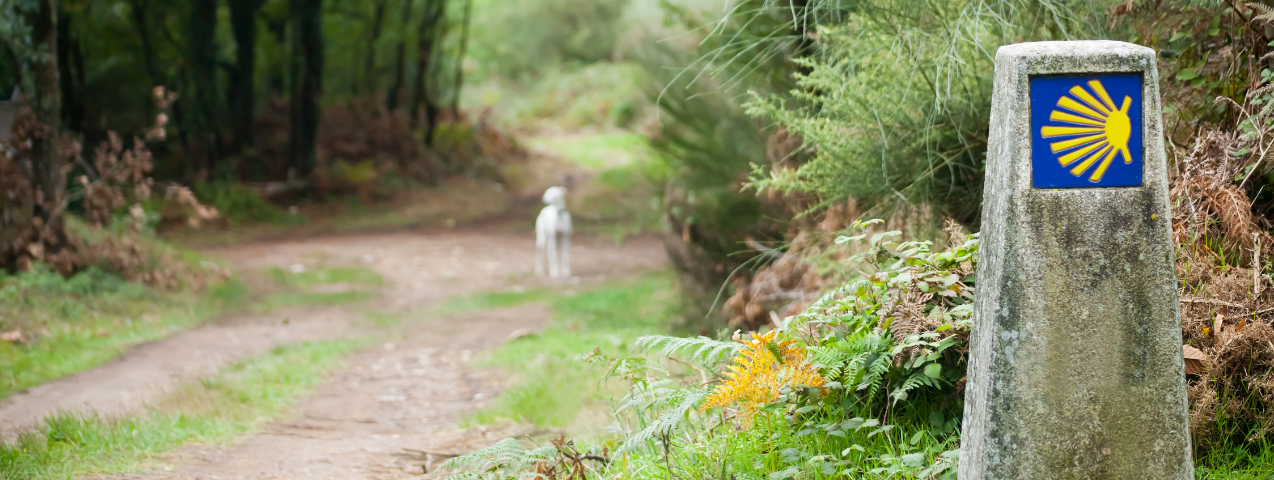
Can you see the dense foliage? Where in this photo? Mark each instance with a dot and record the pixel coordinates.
(897, 98)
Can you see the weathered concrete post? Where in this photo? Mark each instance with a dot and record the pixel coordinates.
(1075, 368)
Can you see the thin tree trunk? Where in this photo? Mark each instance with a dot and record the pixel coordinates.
(46, 103)
(72, 110)
(400, 59)
(307, 78)
(203, 62)
(464, 47)
(430, 31)
(148, 57)
(148, 49)
(243, 21)
(369, 57)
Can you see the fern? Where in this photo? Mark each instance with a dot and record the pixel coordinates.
(704, 349)
(679, 405)
(915, 380)
(506, 458)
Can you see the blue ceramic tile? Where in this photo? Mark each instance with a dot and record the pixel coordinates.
(1086, 131)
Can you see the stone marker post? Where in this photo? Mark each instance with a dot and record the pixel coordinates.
(1075, 369)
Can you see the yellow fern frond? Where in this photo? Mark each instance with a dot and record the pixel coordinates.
(758, 376)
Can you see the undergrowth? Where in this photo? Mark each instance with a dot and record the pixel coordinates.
(215, 410)
(865, 383)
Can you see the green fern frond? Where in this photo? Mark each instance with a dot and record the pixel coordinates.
(704, 349)
(685, 402)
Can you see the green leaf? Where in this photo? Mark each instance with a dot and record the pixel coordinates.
(785, 474)
(913, 459)
(843, 239)
(933, 370)
(916, 438)
(1187, 74)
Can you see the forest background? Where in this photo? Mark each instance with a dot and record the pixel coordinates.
(770, 127)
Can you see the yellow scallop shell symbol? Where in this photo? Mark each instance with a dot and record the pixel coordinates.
(1096, 131)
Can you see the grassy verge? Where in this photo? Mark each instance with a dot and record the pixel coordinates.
(69, 325)
(597, 151)
(457, 201)
(215, 410)
(299, 284)
(610, 317)
(1250, 461)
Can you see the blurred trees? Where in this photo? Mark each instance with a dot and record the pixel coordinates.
(230, 60)
(306, 69)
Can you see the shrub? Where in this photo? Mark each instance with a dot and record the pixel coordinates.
(897, 99)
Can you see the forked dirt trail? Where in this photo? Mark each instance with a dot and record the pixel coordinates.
(405, 392)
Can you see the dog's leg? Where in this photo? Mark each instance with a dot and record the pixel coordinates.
(551, 246)
(539, 249)
(566, 253)
(539, 254)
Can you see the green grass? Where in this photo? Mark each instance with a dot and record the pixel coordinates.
(285, 300)
(597, 151)
(239, 204)
(79, 323)
(385, 320)
(320, 276)
(491, 300)
(610, 317)
(216, 410)
(1248, 462)
(299, 283)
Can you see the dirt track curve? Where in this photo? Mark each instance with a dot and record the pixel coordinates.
(410, 393)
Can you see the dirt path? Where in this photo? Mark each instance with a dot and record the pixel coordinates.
(415, 389)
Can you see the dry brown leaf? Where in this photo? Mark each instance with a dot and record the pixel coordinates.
(11, 336)
(1196, 360)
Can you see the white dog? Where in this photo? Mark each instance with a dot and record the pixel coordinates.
(553, 231)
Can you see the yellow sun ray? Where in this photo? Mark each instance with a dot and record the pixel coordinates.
(1072, 105)
(1083, 166)
(1070, 158)
(1105, 163)
(1057, 116)
(1075, 142)
(1097, 132)
(1082, 94)
(1050, 132)
(1101, 92)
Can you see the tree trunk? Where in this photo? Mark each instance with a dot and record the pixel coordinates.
(400, 60)
(243, 21)
(430, 30)
(464, 47)
(46, 105)
(148, 49)
(203, 66)
(72, 106)
(369, 57)
(307, 84)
